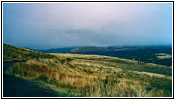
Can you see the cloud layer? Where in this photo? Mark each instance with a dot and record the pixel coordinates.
(53, 25)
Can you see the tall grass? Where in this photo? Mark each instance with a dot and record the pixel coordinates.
(87, 79)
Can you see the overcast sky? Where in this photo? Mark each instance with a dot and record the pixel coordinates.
(54, 25)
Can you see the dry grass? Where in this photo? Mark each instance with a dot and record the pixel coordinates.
(92, 76)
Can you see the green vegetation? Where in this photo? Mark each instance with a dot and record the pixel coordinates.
(94, 76)
(12, 53)
(147, 54)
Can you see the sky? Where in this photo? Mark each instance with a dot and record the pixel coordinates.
(56, 25)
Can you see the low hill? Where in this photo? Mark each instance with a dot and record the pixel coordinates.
(12, 53)
(94, 75)
(58, 50)
(147, 54)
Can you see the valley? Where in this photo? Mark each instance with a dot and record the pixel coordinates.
(145, 54)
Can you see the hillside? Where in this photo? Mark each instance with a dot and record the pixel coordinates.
(91, 75)
(147, 54)
(12, 53)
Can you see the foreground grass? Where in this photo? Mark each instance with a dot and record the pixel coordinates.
(96, 76)
(17, 87)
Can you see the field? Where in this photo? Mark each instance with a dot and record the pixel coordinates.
(89, 75)
(146, 54)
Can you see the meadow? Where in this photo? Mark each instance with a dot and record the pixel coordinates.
(90, 75)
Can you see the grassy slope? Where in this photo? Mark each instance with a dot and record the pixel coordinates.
(92, 75)
(12, 53)
(145, 54)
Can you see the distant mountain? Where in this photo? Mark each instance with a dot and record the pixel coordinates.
(58, 50)
(65, 49)
(94, 49)
(140, 53)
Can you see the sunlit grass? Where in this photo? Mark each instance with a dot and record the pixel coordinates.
(86, 77)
